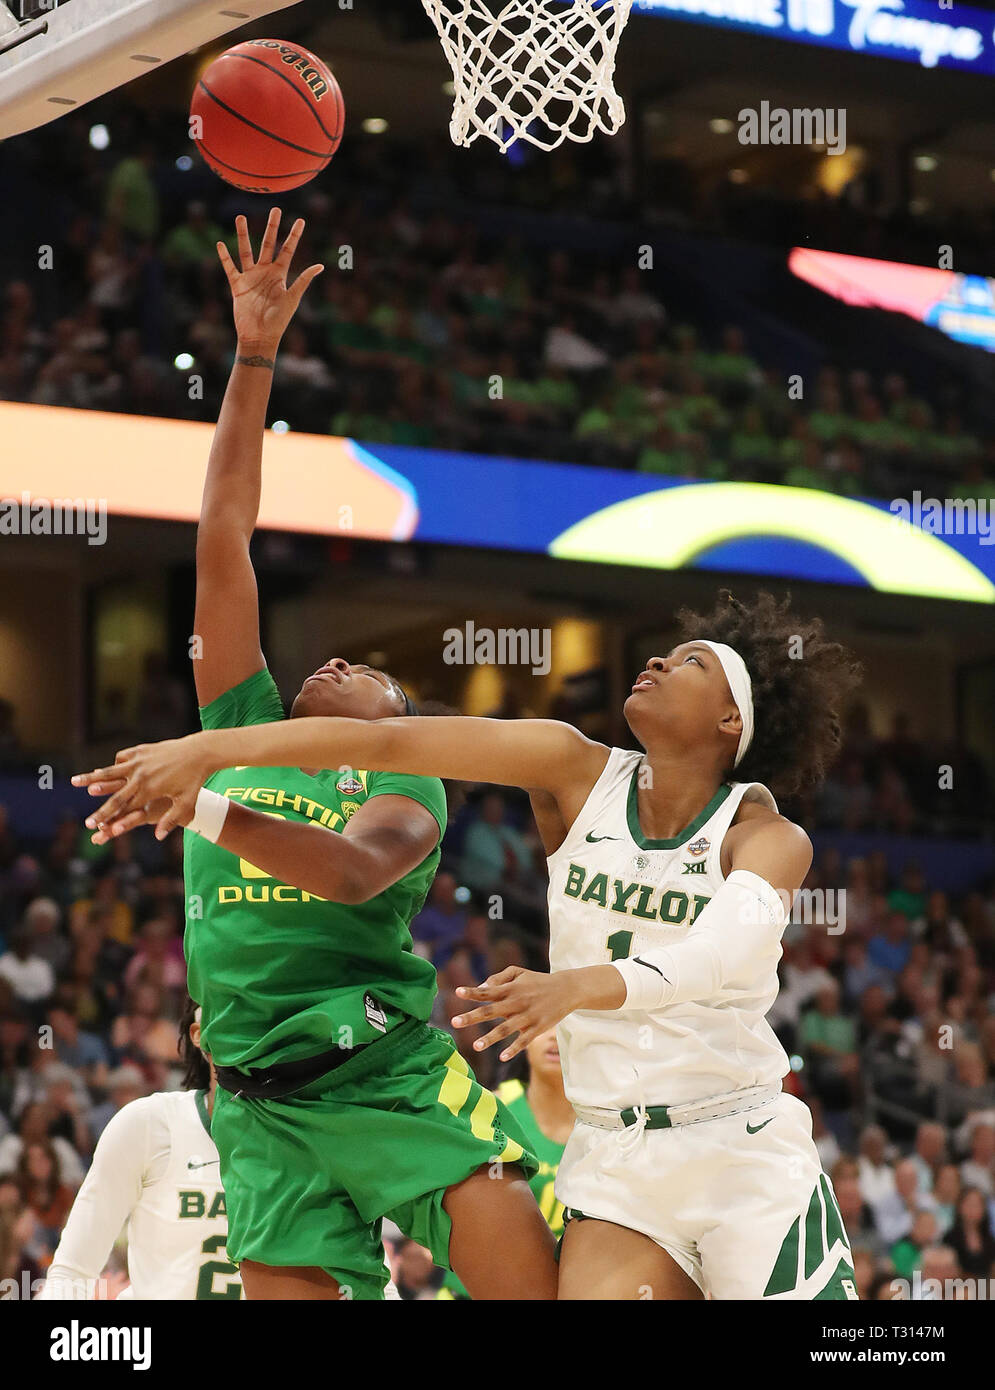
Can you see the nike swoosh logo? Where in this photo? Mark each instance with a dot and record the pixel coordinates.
(649, 966)
(206, 1164)
(596, 839)
(753, 1129)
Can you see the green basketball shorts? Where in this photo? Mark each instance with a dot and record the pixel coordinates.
(308, 1179)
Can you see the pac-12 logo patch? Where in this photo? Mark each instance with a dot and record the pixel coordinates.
(348, 783)
(699, 846)
(349, 808)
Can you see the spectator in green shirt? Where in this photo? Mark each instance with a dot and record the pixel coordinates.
(910, 895)
(350, 333)
(468, 383)
(401, 341)
(751, 446)
(954, 442)
(132, 199)
(731, 365)
(357, 421)
(845, 465)
(666, 452)
(824, 1030)
(974, 485)
(194, 241)
(808, 469)
(906, 1254)
(903, 408)
(556, 393)
(795, 448)
(514, 386)
(873, 430)
(828, 421)
(696, 408)
(828, 1041)
(598, 419)
(497, 858)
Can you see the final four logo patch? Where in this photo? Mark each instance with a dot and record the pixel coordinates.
(699, 846)
(349, 783)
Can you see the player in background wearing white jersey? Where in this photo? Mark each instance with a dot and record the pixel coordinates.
(695, 1173)
(155, 1167)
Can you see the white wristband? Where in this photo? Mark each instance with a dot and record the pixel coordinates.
(209, 815)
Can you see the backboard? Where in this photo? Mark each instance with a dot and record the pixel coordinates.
(66, 54)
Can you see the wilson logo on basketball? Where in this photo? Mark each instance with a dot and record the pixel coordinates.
(301, 61)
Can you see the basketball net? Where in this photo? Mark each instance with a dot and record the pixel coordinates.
(536, 70)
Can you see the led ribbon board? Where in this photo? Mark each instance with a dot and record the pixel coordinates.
(961, 306)
(145, 467)
(674, 528)
(913, 31)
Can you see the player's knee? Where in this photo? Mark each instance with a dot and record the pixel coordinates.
(501, 1183)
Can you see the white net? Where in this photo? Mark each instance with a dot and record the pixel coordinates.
(537, 70)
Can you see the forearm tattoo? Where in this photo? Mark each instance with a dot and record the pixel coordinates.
(255, 362)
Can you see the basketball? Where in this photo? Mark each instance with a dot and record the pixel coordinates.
(267, 116)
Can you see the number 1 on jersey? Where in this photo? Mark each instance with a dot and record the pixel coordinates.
(620, 944)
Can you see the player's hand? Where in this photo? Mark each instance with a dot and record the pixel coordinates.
(263, 302)
(145, 815)
(172, 772)
(528, 1002)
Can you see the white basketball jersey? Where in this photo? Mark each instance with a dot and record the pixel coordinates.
(156, 1168)
(614, 893)
(178, 1230)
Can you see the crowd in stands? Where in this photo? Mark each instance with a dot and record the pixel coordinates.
(427, 328)
(898, 784)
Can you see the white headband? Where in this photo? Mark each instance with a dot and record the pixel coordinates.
(741, 687)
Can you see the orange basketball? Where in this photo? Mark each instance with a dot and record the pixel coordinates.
(267, 115)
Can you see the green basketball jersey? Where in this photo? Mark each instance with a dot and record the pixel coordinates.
(280, 973)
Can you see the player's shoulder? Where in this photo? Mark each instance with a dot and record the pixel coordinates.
(376, 781)
(254, 700)
(758, 826)
(141, 1121)
(160, 1105)
(617, 763)
(758, 815)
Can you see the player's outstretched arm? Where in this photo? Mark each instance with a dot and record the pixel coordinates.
(226, 619)
(531, 753)
(109, 1193)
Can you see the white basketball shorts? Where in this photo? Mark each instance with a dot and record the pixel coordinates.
(740, 1203)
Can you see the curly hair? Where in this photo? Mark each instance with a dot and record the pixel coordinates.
(801, 681)
(197, 1074)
